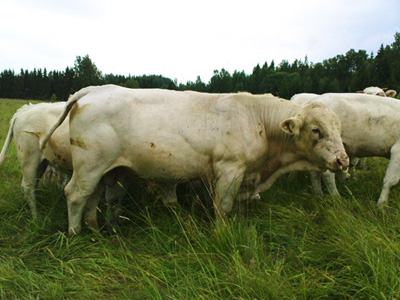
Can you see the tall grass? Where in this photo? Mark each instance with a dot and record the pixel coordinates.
(290, 245)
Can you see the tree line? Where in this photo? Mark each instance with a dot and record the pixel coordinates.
(343, 73)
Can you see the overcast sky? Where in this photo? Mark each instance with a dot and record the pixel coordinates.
(183, 39)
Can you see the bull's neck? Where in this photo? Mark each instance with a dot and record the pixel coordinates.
(279, 142)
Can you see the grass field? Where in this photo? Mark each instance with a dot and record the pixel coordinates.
(290, 245)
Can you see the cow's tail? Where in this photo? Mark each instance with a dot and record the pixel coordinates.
(8, 141)
(68, 106)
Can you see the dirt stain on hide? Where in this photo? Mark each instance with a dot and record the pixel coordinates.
(373, 122)
(78, 143)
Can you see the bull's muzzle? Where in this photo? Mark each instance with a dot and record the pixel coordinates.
(343, 163)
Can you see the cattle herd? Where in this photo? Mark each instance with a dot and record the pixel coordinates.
(105, 137)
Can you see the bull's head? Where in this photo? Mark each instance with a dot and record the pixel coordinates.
(316, 132)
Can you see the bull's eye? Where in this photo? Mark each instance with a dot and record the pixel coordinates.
(317, 132)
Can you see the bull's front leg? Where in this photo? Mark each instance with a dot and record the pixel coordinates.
(229, 179)
(301, 165)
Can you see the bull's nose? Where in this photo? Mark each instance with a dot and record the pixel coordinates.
(342, 163)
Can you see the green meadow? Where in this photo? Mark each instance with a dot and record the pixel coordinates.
(289, 245)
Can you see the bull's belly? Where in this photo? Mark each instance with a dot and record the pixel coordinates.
(169, 166)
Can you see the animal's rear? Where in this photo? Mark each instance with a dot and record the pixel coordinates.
(68, 106)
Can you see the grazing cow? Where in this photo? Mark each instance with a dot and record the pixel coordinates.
(171, 136)
(369, 128)
(28, 125)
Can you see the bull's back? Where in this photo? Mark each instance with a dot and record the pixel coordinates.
(157, 133)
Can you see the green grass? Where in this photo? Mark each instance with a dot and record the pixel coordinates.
(290, 245)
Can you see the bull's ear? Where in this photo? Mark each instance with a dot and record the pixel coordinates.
(291, 126)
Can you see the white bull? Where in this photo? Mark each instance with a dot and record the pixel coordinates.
(369, 128)
(172, 136)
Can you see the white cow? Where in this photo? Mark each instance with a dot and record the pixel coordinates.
(377, 91)
(28, 125)
(369, 128)
(373, 90)
(171, 136)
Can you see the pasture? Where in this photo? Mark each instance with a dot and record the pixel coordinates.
(290, 245)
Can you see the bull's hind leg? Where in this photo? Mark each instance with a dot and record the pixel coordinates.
(392, 175)
(78, 191)
(90, 211)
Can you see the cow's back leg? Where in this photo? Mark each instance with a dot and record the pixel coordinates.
(362, 164)
(330, 182)
(32, 169)
(392, 175)
(316, 183)
(229, 178)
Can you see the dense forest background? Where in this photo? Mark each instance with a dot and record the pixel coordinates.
(343, 73)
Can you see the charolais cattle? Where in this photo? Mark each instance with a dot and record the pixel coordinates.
(27, 127)
(170, 136)
(368, 129)
(377, 91)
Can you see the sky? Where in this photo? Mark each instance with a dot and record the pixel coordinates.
(185, 39)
